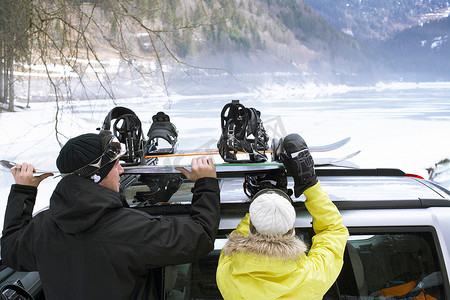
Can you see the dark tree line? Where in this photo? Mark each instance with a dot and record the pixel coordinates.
(15, 18)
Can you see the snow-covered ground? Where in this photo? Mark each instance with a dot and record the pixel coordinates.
(396, 125)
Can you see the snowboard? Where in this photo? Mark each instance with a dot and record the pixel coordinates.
(236, 169)
(224, 169)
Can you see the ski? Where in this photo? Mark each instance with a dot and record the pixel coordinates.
(209, 151)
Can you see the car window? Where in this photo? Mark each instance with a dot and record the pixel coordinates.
(391, 266)
(194, 280)
(376, 266)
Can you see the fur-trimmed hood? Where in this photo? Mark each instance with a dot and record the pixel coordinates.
(281, 247)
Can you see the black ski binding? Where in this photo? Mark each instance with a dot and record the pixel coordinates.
(242, 130)
(128, 129)
(162, 128)
(160, 190)
(271, 180)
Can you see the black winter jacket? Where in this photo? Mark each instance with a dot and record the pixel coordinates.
(88, 246)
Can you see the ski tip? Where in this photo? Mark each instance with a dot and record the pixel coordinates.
(330, 147)
(7, 164)
(345, 164)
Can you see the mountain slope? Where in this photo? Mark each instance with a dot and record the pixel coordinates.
(377, 19)
(420, 52)
(274, 35)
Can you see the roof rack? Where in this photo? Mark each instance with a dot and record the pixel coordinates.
(348, 189)
(360, 172)
(232, 209)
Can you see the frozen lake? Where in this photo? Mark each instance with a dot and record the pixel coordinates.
(402, 125)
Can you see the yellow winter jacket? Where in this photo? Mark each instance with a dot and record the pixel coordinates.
(256, 267)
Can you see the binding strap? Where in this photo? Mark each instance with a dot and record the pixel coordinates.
(164, 129)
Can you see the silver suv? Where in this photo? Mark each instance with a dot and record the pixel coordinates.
(399, 244)
(399, 224)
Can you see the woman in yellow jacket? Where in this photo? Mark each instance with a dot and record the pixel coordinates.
(264, 259)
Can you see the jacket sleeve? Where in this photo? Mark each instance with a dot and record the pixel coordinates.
(174, 240)
(205, 208)
(328, 244)
(17, 236)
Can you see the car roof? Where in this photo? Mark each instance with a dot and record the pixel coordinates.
(347, 188)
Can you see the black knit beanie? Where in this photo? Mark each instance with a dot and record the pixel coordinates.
(81, 151)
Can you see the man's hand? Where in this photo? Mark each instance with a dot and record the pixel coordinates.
(23, 174)
(200, 167)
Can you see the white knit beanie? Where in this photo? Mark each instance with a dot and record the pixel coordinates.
(272, 214)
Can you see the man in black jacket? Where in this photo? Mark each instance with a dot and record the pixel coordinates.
(87, 245)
